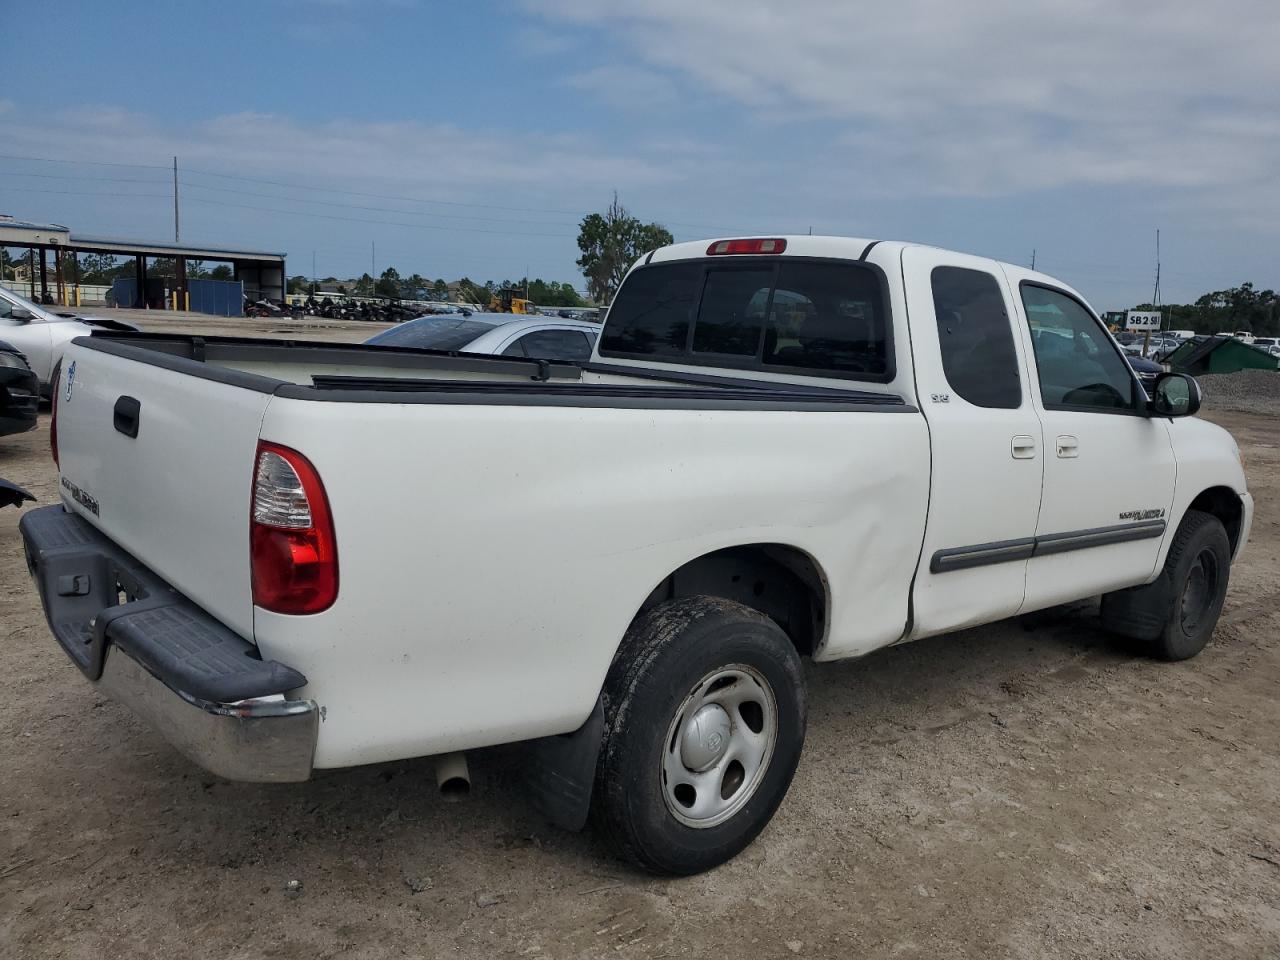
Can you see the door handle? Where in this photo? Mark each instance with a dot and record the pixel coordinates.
(1023, 447)
(126, 416)
(1068, 447)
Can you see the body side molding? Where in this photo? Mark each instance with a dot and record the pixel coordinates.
(1003, 551)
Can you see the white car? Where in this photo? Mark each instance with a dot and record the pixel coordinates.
(42, 335)
(543, 338)
(293, 556)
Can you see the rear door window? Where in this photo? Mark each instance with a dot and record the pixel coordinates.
(976, 340)
(823, 317)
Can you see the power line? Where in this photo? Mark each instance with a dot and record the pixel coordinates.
(82, 193)
(381, 196)
(450, 203)
(63, 176)
(355, 193)
(355, 206)
(95, 163)
(387, 223)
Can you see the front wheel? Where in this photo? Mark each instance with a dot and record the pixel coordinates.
(1174, 617)
(705, 715)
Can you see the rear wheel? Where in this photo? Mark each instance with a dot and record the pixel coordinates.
(704, 723)
(1174, 617)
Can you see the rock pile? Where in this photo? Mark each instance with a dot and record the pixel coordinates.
(1249, 391)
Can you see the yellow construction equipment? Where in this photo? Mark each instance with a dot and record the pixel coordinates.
(506, 301)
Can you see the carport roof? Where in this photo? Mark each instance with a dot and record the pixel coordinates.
(122, 246)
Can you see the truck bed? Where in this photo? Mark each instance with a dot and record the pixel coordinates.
(498, 520)
(280, 367)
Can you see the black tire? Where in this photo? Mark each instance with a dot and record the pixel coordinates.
(666, 653)
(46, 392)
(1174, 617)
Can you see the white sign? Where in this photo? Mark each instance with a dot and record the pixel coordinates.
(1142, 320)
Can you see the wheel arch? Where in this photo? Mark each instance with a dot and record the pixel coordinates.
(1223, 503)
(781, 581)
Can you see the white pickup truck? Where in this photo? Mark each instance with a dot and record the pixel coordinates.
(295, 556)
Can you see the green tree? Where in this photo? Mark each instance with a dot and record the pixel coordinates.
(1225, 311)
(553, 294)
(388, 284)
(364, 286)
(299, 284)
(610, 243)
(414, 287)
(222, 272)
(472, 292)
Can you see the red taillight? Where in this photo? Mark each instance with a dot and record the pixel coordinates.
(53, 415)
(292, 550)
(750, 245)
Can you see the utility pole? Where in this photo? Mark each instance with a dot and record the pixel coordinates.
(1033, 258)
(175, 200)
(313, 268)
(1155, 298)
(373, 259)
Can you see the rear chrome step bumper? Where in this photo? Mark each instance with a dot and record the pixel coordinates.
(202, 686)
(265, 740)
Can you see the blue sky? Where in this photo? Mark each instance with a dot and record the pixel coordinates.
(471, 138)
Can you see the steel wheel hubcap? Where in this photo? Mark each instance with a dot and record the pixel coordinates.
(718, 746)
(1200, 589)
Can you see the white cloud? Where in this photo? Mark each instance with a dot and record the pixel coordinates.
(627, 85)
(987, 96)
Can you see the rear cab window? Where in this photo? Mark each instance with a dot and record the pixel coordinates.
(824, 318)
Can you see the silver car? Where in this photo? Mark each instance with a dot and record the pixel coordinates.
(40, 334)
(501, 334)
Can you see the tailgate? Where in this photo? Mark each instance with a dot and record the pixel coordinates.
(176, 494)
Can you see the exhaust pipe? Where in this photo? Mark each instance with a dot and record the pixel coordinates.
(452, 776)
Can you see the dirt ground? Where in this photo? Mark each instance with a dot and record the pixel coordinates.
(1020, 790)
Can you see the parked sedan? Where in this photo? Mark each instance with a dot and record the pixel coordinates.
(543, 338)
(42, 335)
(1147, 371)
(19, 392)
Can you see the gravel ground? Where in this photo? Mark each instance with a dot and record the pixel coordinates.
(1023, 790)
(1249, 391)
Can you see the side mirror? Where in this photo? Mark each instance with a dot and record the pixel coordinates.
(21, 314)
(1175, 395)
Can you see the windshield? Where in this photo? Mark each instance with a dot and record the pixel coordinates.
(433, 333)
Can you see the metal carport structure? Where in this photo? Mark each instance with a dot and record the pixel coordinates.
(262, 273)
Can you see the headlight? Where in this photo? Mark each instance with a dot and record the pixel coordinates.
(14, 361)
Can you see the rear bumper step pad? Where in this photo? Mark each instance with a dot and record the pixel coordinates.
(202, 685)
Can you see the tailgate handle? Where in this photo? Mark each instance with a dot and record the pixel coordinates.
(127, 413)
